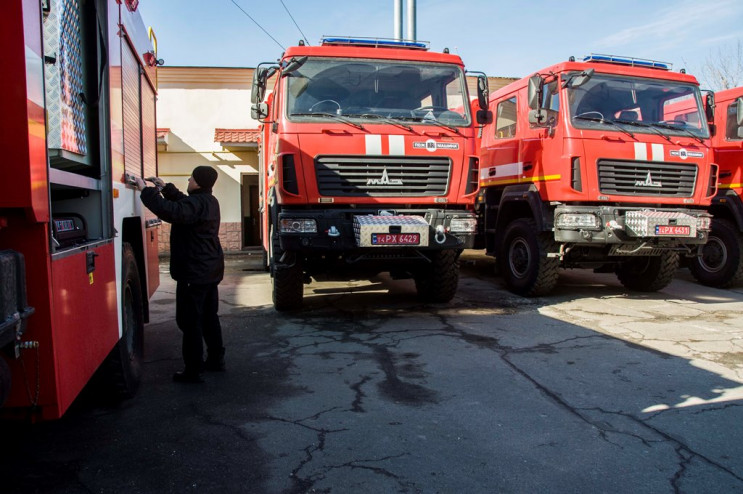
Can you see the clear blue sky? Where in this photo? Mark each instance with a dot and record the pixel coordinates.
(510, 38)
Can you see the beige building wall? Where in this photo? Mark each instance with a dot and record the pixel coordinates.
(192, 103)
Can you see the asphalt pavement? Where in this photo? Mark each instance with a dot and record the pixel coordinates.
(591, 389)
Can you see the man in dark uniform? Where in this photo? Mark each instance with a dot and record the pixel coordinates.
(196, 264)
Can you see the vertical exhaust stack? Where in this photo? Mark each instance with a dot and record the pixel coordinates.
(398, 20)
(411, 21)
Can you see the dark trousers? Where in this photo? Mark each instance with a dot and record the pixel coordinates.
(196, 315)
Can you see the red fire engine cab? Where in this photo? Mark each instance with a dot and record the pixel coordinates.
(367, 165)
(78, 251)
(585, 165)
(721, 262)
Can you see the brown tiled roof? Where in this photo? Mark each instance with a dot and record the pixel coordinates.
(237, 135)
(161, 133)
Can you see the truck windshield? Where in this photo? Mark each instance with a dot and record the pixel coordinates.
(369, 91)
(647, 105)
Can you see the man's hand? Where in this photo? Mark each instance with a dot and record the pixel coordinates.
(159, 183)
(139, 183)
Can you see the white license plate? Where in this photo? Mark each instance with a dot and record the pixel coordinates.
(395, 238)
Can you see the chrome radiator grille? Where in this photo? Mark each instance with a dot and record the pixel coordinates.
(641, 178)
(382, 176)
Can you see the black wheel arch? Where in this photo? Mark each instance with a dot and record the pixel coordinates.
(132, 234)
(728, 205)
(521, 201)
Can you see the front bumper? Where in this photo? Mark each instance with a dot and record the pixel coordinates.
(338, 231)
(613, 225)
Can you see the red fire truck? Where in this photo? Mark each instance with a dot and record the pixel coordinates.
(78, 251)
(585, 165)
(367, 165)
(721, 262)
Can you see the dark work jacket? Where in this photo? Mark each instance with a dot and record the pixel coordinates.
(195, 251)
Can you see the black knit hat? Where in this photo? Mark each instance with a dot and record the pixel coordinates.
(205, 176)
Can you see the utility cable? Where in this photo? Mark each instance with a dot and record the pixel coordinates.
(295, 23)
(256, 23)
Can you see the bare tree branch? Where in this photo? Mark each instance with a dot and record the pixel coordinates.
(724, 70)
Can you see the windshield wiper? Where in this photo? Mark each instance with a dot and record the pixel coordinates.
(431, 121)
(609, 122)
(389, 120)
(330, 115)
(646, 125)
(679, 127)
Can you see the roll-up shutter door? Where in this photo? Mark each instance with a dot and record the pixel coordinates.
(149, 135)
(132, 111)
(149, 132)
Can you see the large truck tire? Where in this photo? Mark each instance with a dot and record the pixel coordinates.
(439, 282)
(523, 259)
(122, 369)
(288, 287)
(648, 273)
(721, 263)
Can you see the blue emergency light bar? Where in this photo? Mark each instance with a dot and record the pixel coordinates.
(374, 42)
(630, 61)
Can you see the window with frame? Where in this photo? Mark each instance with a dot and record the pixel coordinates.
(733, 131)
(505, 119)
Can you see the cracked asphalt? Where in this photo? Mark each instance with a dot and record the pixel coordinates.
(592, 389)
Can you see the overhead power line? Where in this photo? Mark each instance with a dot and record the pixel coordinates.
(295, 23)
(256, 23)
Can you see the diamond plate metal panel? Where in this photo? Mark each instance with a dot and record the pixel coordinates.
(66, 118)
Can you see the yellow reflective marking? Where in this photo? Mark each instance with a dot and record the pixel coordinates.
(521, 180)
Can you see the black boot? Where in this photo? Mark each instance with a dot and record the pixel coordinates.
(215, 361)
(187, 376)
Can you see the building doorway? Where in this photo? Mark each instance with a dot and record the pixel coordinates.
(251, 224)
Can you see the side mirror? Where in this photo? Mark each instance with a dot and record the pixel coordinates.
(259, 111)
(582, 78)
(293, 65)
(709, 106)
(261, 75)
(739, 110)
(534, 93)
(258, 88)
(542, 117)
(484, 117)
(537, 116)
(483, 92)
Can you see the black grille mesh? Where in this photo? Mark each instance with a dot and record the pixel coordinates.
(640, 178)
(382, 176)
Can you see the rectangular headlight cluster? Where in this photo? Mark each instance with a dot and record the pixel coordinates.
(463, 225)
(704, 222)
(298, 225)
(578, 220)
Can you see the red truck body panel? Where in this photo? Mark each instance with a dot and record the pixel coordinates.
(68, 219)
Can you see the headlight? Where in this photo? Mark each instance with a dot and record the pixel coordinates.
(298, 225)
(460, 225)
(704, 222)
(578, 220)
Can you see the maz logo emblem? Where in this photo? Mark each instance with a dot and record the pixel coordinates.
(648, 182)
(385, 180)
